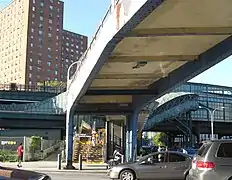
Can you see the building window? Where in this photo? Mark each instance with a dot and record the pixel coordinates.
(51, 7)
(41, 18)
(30, 75)
(50, 35)
(33, 1)
(40, 32)
(49, 63)
(50, 21)
(30, 59)
(32, 45)
(41, 4)
(30, 68)
(49, 49)
(33, 8)
(49, 56)
(51, 1)
(40, 41)
(32, 30)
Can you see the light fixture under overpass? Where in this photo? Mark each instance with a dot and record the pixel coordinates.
(140, 64)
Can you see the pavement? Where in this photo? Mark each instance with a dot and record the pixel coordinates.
(51, 166)
(75, 176)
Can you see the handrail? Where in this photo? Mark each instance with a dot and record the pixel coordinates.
(83, 57)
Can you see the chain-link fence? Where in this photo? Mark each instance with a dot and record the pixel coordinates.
(36, 148)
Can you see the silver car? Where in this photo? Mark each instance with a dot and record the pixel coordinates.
(213, 161)
(157, 166)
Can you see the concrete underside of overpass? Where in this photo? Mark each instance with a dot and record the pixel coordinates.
(177, 41)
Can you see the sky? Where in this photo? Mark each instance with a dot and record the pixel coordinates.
(78, 18)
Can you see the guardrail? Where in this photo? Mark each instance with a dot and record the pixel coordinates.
(83, 57)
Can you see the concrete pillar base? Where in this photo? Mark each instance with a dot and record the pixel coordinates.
(69, 166)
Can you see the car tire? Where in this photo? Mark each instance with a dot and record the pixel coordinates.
(127, 175)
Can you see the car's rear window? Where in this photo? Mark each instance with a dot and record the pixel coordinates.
(204, 149)
(225, 150)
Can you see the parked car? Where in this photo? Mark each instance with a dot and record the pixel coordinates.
(20, 174)
(213, 161)
(157, 166)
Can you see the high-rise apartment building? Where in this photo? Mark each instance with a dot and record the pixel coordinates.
(73, 46)
(34, 47)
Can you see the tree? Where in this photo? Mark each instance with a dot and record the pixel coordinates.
(51, 83)
(160, 139)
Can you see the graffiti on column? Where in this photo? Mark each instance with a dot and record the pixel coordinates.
(118, 10)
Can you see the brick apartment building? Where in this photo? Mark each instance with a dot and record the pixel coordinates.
(34, 46)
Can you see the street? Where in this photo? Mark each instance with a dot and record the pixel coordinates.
(77, 176)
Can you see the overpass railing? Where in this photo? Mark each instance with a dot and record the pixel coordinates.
(32, 88)
(94, 39)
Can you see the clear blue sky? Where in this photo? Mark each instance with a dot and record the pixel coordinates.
(78, 18)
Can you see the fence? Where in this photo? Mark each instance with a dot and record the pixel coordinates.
(8, 148)
(31, 88)
(35, 148)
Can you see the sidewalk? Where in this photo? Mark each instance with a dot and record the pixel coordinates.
(49, 166)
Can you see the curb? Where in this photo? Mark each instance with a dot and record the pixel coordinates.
(70, 171)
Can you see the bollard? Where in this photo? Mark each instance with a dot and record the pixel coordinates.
(122, 159)
(59, 161)
(80, 162)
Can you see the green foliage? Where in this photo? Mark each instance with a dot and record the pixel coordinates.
(51, 83)
(8, 156)
(160, 139)
(35, 143)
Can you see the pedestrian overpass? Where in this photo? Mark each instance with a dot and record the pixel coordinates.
(141, 50)
(150, 45)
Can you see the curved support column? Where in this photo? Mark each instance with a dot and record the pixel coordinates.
(131, 136)
(69, 139)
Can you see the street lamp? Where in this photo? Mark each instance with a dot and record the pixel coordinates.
(211, 112)
(69, 123)
(69, 68)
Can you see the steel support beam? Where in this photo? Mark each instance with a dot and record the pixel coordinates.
(184, 31)
(112, 108)
(121, 92)
(114, 58)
